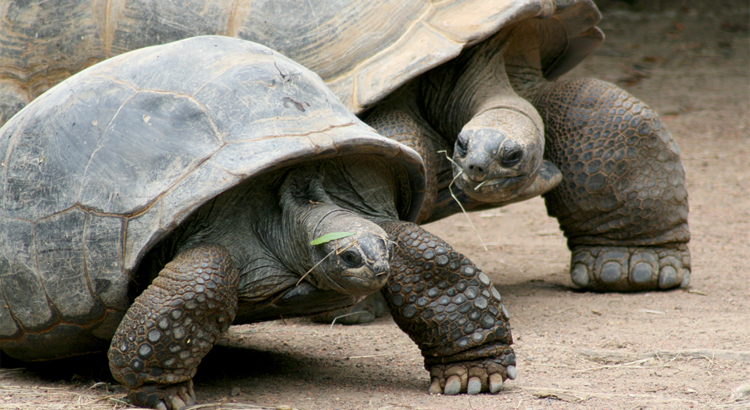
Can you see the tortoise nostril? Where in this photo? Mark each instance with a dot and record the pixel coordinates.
(381, 269)
(476, 168)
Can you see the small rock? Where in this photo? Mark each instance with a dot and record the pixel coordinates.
(740, 392)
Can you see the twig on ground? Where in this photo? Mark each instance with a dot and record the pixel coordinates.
(333, 322)
(631, 365)
(406, 406)
(656, 312)
(259, 329)
(557, 366)
(709, 354)
(118, 401)
(560, 394)
(220, 406)
(575, 396)
(95, 385)
(56, 398)
(4, 372)
(368, 356)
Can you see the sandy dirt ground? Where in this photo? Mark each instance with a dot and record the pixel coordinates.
(680, 349)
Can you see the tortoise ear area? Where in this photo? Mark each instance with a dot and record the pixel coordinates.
(462, 143)
(304, 184)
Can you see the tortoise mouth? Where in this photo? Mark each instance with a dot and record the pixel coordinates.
(359, 283)
(493, 189)
(499, 183)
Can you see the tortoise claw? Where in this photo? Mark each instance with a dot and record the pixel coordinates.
(621, 268)
(511, 371)
(472, 377)
(496, 382)
(177, 403)
(474, 386)
(183, 397)
(173, 397)
(435, 387)
(452, 386)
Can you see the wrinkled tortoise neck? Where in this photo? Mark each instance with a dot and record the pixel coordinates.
(523, 55)
(304, 203)
(473, 83)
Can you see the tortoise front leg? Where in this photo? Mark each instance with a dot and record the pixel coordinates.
(451, 310)
(172, 325)
(622, 203)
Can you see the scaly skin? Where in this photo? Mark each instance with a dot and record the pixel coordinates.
(172, 325)
(436, 295)
(622, 203)
(448, 307)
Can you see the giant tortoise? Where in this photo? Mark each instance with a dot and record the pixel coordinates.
(474, 78)
(219, 182)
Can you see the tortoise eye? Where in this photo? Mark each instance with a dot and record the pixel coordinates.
(352, 258)
(512, 155)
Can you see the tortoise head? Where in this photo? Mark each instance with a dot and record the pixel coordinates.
(498, 154)
(357, 264)
(335, 248)
(498, 135)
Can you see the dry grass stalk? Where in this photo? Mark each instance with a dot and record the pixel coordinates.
(612, 356)
(577, 396)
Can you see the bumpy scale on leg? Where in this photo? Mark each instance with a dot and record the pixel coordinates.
(451, 310)
(172, 325)
(623, 202)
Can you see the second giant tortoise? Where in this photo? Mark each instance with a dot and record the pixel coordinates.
(200, 176)
(474, 78)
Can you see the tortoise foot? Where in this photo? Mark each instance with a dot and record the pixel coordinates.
(172, 397)
(619, 268)
(450, 308)
(366, 311)
(471, 377)
(172, 325)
